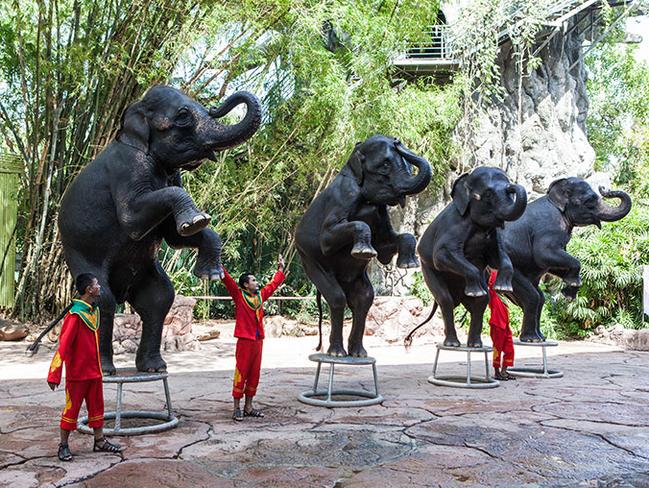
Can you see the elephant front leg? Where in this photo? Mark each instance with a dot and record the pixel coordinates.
(139, 213)
(388, 243)
(357, 233)
(452, 260)
(505, 267)
(208, 262)
(559, 261)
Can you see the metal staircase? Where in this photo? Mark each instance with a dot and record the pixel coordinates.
(438, 55)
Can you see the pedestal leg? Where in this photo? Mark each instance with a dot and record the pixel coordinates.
(317, 377)
(545, 361)
(331, 381)
(435, 365)
(486, 365)
(468, 367)
(167, 396)
(118, 409)
(376, 381)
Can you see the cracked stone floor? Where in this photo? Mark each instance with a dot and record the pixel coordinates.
(589, 428)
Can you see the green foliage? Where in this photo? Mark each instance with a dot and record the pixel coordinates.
(320, 100)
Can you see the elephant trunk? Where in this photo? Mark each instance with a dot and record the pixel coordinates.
(611, 214)
(232, 135)
(417, 183)
(515, 208)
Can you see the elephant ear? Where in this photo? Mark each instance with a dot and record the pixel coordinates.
(356, 162)
(461, 193)
(134, 129)
(559, 193)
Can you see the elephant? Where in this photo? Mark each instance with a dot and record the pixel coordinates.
(536, 243)
(348, 224)
(118, 209)
(463, 240)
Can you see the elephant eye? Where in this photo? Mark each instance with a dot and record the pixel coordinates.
(184, 117)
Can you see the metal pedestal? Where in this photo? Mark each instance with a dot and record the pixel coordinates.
(132, 376)
(308, 397)
(537, 371)
(460, 381)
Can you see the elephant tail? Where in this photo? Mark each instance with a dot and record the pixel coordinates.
(318, 299)
(32, 349)
(407, 342)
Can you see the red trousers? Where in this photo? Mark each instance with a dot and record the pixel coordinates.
(92, 391)
(246, 373)
(503, 344)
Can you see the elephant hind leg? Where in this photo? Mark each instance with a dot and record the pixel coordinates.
(360, 295)
(151, 296)
(440, 290)
(476, 307)
(333, 293)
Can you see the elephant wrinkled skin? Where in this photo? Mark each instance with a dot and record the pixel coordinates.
(118, 209)
(347, 224)
(463, 239)
(537, 243)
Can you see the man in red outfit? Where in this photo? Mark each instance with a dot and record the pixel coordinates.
(249, 330)
(79, 351)
(501, 333)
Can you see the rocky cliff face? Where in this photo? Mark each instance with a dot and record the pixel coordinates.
(551, 140)
(549, 143)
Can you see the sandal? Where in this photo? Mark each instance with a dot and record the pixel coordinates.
(64, 453)
(102, 445)
(237, 415)
(501, 377)
(253, 413)
(510, 377)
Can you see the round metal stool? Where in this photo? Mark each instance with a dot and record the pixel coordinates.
(460, 381)
(368, 398)
(132, 376)
(536, 371)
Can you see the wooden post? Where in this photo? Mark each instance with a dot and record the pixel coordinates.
(10, 170)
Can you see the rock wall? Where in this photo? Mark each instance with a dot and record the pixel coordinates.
(176, 334)
(551, 141)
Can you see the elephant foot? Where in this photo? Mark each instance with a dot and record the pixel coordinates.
(205, 270)
(357, 351)
(363, 251)
(107, 366)
(451, 342)
(569, 292)
(151, 364)
(190, 226)
(477, 343)
(336, 350)
(503, 285)
(530, 337)
(407, 262)
(474, 291)
(573, 282)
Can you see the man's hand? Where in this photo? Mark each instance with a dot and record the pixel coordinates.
(280, 263)
(52, 385)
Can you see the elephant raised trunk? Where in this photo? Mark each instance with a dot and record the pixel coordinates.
(418, 182)
(233, 135)
(516, 208)
(611, 214)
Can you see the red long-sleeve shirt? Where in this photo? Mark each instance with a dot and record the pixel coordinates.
(250, 322)
(499, 311)
(78, 350)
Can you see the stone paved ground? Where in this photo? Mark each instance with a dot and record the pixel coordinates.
(590, 428)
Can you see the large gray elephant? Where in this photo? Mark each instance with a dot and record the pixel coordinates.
(462, 240)
(120, 207)
(348, 224)
(536, 243)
